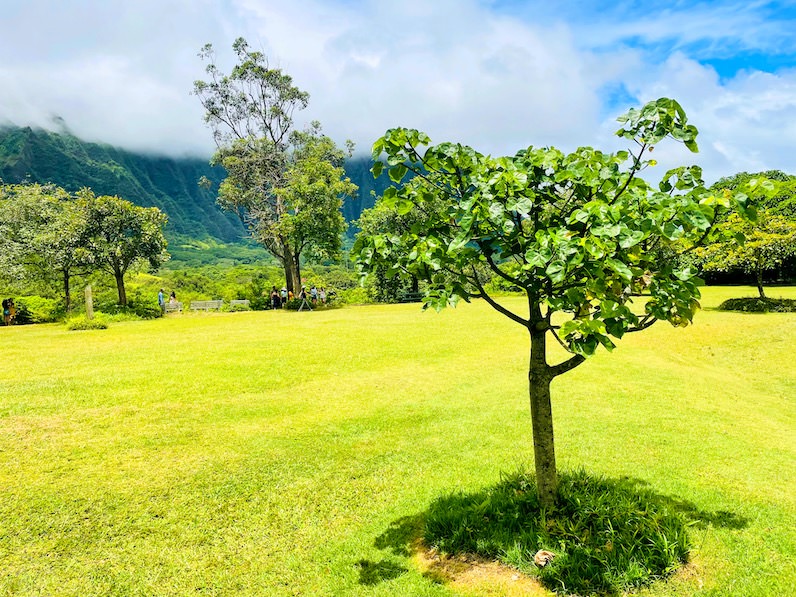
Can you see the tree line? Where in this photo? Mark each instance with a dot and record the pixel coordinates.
(51, 235)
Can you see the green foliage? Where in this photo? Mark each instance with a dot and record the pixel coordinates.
(138, 306)
(37, 309)
(767, 243)
(285, 185)
(608, 536)
(759, 305)
(83, 323)
(120, 234)
(576, 232)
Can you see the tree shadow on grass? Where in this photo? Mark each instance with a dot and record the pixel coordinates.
(373, 573)
(608, 535)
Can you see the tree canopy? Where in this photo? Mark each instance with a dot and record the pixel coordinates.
(51, 235)
(120, 234)
(576, 232)
(285, 184)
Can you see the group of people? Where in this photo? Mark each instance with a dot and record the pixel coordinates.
(9, 311)
(280, 297)
(162, 299)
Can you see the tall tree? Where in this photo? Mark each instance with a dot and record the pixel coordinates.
(120, 234)
(577, 232)
(285, 185)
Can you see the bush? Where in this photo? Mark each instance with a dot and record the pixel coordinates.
(354, 296)
(607, 536)
(759, 305)
(236, 308)
(37, 309)
(295, 304)
(137, 308)
(83, 323)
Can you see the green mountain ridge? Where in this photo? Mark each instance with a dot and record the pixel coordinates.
(170, 184)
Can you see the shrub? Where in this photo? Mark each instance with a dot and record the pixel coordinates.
(759, 305)
(137, 308)
(295, 304)
(83, 323)
(354, 296)
(37, 309)
(608, 536)
(236, 308)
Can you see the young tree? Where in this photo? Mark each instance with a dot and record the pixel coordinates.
(577, 232)
(285, 185)
(120, 234)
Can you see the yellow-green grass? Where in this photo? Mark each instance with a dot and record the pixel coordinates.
(270, 453)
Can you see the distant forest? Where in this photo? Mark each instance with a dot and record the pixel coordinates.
(170, 184)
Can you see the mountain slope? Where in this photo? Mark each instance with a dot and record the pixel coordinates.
(170, 184)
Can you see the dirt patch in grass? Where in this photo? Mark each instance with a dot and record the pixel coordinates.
(474, 575)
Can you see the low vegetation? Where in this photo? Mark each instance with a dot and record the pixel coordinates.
(759, 305)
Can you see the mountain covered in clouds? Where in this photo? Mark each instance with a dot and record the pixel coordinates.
(170, 184)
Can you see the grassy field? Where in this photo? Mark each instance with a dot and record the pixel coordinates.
(271, 453)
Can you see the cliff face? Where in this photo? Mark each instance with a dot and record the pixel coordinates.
(170, 184)
(35, 155)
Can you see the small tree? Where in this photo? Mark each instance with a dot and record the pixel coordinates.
(120, 234)
(576, 232)
(769, 241)
(285, 185)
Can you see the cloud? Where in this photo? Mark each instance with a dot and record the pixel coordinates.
(496, 74)
(747, 123)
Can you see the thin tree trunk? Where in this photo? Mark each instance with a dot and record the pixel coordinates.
(759, 275)
(120, 288)
(67, 297)
(542, 421)
(297, 268)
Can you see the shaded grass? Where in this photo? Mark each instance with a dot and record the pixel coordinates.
(759, 305)
(264, 453)
(607, 535)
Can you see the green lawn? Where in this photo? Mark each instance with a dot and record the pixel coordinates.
(266, 453)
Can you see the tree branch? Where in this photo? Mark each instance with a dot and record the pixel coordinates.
(498, 307)
(567, 365)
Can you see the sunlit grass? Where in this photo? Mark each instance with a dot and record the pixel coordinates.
(264, 453)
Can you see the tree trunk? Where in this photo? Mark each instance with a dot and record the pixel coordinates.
(539, 379)
(292, 280)
(759, 275)
(120, 287)
(297, 269)
(67, 297)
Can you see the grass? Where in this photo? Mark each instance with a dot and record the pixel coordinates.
(264, 453)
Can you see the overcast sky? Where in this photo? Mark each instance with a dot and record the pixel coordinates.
(495, 74)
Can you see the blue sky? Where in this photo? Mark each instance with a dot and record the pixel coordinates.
(496, 74)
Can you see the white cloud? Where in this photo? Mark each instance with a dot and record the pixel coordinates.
(747, 123)
(460, 70)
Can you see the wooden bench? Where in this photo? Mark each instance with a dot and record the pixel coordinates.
(410, 297)
(173, 307)
(239, 303)
(206, 305)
